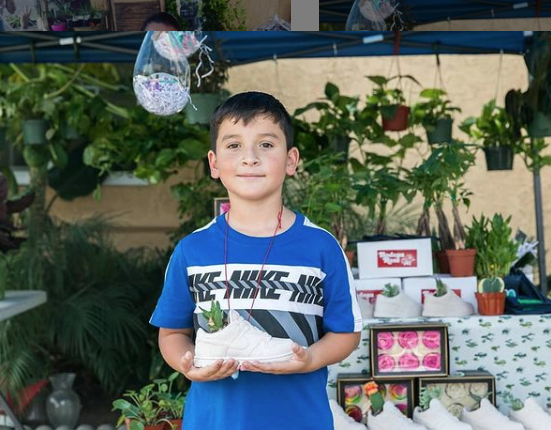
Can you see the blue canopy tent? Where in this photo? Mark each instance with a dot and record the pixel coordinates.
(240, 48)
(420, 12)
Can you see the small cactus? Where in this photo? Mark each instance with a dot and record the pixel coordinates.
(441, 288)
(391, 290)
(491, 285)
(215, 317)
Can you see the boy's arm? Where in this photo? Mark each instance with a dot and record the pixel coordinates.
(177, 349)
(330, 349)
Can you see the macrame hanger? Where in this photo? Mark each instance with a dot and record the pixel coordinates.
(438, 71)
(278, 80)
(500, 68)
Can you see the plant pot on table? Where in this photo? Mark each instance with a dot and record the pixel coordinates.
(461, 262)
(491, 303)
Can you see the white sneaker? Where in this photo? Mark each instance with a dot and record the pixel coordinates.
(341, 420)
(397, 306)
(448, 305)
(391, 419)
(241, 341)
(532, 416)
(487, 417)
(437, 417)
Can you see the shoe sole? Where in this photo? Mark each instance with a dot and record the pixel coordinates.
(203, 362)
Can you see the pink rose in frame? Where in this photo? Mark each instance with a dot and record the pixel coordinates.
(431, 339)
(386, 363)
(408, 361)
(408, 339)
(385, 340)
(432, 360)
(398, 391)
(224, 207)
(402, 407)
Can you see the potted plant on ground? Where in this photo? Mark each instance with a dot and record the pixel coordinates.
(435, 115)
(141, 411)
(495, 132)
(496, 253)
(390, 102)
(170, 403)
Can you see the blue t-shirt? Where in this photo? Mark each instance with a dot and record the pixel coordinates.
(306, 291)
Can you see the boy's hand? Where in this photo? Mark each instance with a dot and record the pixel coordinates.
(219, 370)
(300, 362)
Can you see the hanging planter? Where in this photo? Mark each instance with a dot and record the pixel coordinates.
(398, 121)
(340, 144)
(540, 126)
(442, 132)
(34, 131)
(461, 262)
(206, 104)
(499, 157)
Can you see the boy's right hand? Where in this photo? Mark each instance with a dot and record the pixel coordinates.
(219, 370)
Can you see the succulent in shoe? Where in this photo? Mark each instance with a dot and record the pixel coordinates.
(215, 317)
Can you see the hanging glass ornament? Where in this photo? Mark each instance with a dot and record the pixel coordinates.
(370, 15)
(162, 72)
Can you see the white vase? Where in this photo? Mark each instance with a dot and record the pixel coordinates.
(63, 404)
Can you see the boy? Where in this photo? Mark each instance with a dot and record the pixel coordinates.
(273, 266)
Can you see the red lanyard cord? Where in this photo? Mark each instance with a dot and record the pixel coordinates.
(259, 279)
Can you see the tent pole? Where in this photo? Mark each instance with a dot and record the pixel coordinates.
(539, 228)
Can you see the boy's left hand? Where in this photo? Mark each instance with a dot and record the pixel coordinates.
(300, 362)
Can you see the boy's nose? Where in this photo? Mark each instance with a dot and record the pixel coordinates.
(250, 158)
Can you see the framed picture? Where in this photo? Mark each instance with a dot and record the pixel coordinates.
(464, 389)
(355, 402)
(221, 205)
(399, 350)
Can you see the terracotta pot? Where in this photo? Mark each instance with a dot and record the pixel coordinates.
(491, 303)
(461, 261)
(351, 255)
(442, 260)
(400, 120)
(155, 427)
(174, 425)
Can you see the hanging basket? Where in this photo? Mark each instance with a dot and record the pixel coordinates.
(442, 132)
(499, 157)
(34, 131)
(399, 121)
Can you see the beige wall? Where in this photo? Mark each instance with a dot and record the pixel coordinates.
(146, 213)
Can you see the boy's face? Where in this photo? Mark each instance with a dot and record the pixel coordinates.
(252, 160)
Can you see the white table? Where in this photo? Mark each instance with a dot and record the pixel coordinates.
(15, 303)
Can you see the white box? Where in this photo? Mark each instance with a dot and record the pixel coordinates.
(465, 288)
(395, 258)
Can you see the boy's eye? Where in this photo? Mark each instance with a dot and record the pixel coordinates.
(233, 145)
(266, 144)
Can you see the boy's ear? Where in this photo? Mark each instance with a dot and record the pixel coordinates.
(212, 164)
(293, 158)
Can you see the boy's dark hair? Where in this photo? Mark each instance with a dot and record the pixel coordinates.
(162, 18)
(246, 107)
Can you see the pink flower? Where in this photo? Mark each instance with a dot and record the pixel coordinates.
(431, 339)
(403, 407)
(408, 362)
(431, 361)
(352, 394)
(386, 363)
(224, 207)
(398, 391)
(408, 339)
(385, 340)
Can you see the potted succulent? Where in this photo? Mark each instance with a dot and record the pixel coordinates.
(497, 135)
(435, 115)
(390, 102)
(497, 251)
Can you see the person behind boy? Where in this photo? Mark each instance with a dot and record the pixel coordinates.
(306, 292)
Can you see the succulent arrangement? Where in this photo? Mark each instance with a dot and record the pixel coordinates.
(215, 317)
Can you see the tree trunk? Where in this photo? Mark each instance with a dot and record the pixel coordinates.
(423, 225)
(446, 238)
(458, 229)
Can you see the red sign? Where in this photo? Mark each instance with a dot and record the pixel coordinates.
(369, 295)
(401, 258)
(431, 291)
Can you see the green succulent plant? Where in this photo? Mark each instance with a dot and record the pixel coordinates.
(391, 290)
(215, 317)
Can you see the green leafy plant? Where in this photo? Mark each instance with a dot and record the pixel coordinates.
(436, 106)
(391, 290)
(494, 127)
(171, 404)
(223, 16)
(496, 248)
(141, 408)
(427, 394)
(214, 316)
(441, 288)
(386, 100)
